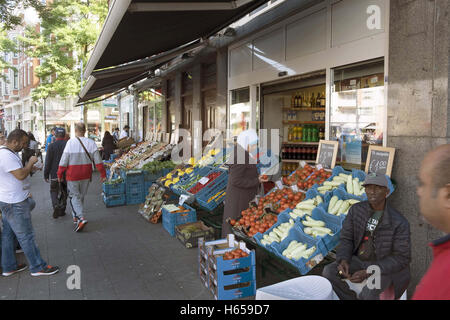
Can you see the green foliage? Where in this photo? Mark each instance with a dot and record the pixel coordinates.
(10, 18)
(6, 45)
(69, 30)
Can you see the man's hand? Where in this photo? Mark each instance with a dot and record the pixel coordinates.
(343, 269)
(59, 179)
(359, 276)
(33, 160)
(102, 179)
(47, 180)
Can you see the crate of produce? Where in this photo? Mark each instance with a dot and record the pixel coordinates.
(231, 272)
(303, 265)
(114, 200)
(189, 233)
(188, 181)
(132, 176)
(331, 222)
(213, 194)
(113, 187)
(173, 216)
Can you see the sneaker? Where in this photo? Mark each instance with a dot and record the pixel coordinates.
(62, 213)
(80, 225)
(20, 268)
(19, 250)
(48, 271)
(75, 221)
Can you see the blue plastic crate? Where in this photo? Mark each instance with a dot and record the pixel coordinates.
(135, 187)
(171, 220)
(132, 176)
(219, 184)
(283, 217)
(231, 293)
(135, 198)
(113, 156)
(302, 265)
(114, 200)
(331, 222)
(152, 176)
(113, 189)
(186, 179)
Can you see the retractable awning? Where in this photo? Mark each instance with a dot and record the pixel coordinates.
(111, 80)
(137, 29)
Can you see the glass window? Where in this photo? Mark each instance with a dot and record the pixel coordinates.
(240, 111)
(357, 111)
(16, 80)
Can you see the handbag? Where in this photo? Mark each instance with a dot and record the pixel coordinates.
(89, 156)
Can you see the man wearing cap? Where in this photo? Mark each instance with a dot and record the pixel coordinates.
(373, 234)
(52, 158)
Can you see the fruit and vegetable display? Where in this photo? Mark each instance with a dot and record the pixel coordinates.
(338, 207)
(254, 220)
(306, 207)
(304, 178)
(297, 250)
(174, 176)
(151, 209)
(352, 185)
(157, 166)
(235, 254)
(316, 227)
(199, 185)
(114, 181)
(279, 233)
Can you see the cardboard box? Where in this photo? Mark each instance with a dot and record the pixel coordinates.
(125, 143)
(375, 80)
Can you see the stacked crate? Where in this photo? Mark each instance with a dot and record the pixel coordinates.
(227, 279)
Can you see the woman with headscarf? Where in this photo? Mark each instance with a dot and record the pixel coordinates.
(108, 145)
(243, 178)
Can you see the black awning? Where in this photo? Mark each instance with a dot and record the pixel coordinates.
(149, 27)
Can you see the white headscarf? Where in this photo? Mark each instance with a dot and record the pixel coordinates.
(247, 138)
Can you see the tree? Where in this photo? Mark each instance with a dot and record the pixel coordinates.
(10, 17)
(6, 45)
(69, 30)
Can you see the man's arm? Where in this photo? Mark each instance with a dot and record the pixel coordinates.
(48, 162)
(99, 164)
(345, 249)
(22, 173)
(63, 163)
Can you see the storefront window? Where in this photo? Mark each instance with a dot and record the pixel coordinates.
(357, 111)
(240, 111)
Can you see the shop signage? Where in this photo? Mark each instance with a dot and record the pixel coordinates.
(110, 103)
(110, 117)
(327, 153)
(380, 160)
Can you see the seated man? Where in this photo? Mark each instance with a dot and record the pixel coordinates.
(373, 233)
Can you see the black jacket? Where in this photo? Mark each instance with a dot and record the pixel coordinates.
(54, 154)
(392, 242)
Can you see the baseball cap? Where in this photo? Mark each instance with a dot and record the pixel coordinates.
(60, 131)
(376, 179)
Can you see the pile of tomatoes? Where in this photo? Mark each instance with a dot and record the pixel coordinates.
(235, 254)
(306, 177)
(283, 199)
(254, 221)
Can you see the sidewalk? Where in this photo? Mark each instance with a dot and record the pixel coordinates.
(121, 256)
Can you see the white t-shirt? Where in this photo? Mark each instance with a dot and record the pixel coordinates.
(123, 134)
(12, 190)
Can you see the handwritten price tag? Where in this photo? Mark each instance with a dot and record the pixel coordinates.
(182, 199)
(203, 180)
(279, 184)
(294, 188)
(302, 164)
(319, 166)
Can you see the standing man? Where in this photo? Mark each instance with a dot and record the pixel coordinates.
(125, 132)
(373, 234)
(80, 154)
(16, 205)
(116, 135)
(52, 158)
(434, 199)
(50, 139)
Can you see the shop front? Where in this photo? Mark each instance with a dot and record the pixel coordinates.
(317, 75)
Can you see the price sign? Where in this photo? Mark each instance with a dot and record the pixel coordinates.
(203, 180)
(279, 184)
(380, 160)
(319, 166)
(294, 188)
(327, 153)
(182, 199)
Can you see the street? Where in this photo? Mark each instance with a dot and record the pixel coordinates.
(120, 255)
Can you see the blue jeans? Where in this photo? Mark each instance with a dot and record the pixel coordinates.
(17, 221)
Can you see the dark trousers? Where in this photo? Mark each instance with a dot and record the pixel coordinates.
(55, 191)
(341, 287)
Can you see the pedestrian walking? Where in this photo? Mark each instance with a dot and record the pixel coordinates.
(109, 145)
(79, 156)
(243, 178)
(50, 139)
(16, 205)
(434, 199)
(58, 189)
(373, 233)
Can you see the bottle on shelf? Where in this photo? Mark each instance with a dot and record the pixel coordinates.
(315, 137)
(293, 97)
(318, 99)
(322, 133)
(312, 101)
(322, 100)
(290, 134)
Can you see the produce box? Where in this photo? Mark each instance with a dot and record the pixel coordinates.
(232, 292)
(172, 219)
(113, 188)
(114, 200)
(125, 143)
(189, 233)
(135, 197)
(303, 265)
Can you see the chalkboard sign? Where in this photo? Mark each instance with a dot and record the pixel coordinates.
(327, 153)
(380, 160)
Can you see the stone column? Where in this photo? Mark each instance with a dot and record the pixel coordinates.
(417, 107)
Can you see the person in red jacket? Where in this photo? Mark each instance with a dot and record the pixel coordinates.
(434, 195)
(79, 156)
